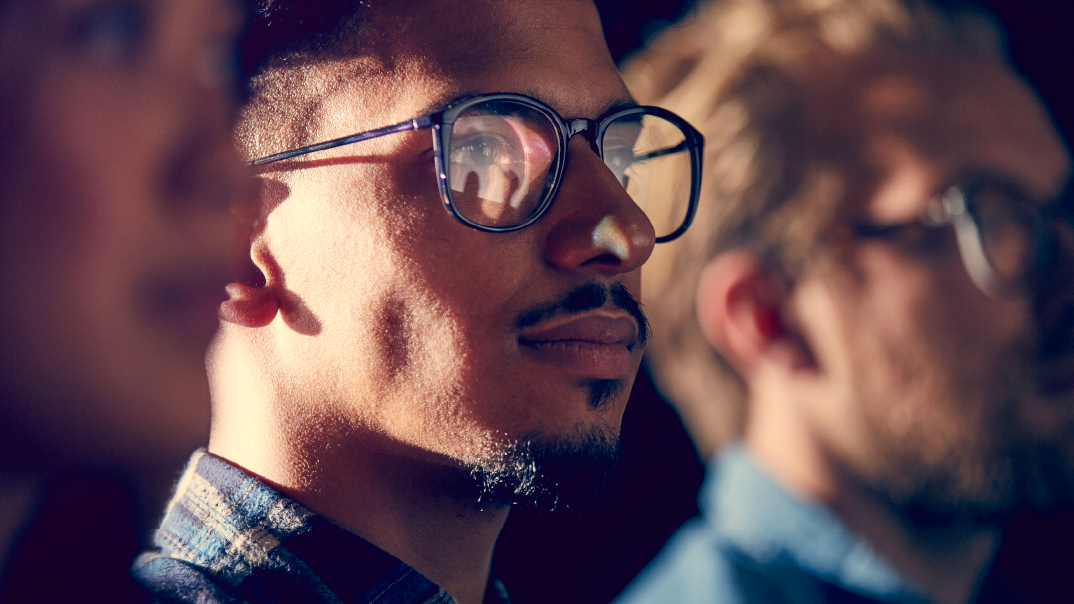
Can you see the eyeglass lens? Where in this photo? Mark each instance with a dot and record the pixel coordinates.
(1010, 227)
(500, 159)
(650, 157)
(502, 155)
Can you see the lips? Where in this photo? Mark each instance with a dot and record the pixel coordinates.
(596, 345)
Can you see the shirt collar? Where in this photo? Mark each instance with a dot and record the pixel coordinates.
(770, 525)
(234, 526)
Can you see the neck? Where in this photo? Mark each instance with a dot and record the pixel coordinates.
(409, 506)
(947, 562)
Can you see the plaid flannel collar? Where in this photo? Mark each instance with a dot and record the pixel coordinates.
(227, 536)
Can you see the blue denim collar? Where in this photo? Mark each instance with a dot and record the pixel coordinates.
(766, 523)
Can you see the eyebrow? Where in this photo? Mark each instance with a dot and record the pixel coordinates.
(441, 104)
(619, 105)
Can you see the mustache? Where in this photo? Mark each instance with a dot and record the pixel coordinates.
(590, 297)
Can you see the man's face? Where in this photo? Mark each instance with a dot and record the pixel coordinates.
(117, 177)
(943, 399)
(461, 346)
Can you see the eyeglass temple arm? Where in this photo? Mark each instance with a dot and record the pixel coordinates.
(971, 248)
(661, 152)
(415, 124)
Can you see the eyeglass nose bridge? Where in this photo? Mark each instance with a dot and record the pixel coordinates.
(587, 128)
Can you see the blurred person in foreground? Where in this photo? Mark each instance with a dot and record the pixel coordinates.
(439, 319)
(116, 178)
(876, 297)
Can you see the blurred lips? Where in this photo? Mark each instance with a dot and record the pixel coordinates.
(191, 301)
(595, 345)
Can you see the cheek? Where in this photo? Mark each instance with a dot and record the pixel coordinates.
(936, 359)
(78, 226)
(935, 307)
(364, 290)
(91, 179)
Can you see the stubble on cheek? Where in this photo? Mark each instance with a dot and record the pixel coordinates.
(393, 338)
(420, 372)
(940, 413)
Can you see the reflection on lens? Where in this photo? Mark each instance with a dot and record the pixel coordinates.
(499, 158)
(652, 160)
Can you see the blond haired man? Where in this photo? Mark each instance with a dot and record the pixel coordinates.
(874, 299)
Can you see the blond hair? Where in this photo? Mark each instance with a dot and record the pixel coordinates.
(745, 73)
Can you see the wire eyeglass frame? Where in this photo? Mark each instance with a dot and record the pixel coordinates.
(442, 122)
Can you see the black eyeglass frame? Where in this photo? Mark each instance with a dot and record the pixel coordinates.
(955, 208)
(442, 123)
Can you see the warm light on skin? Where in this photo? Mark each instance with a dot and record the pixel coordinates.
(397, 354)
(608, 235)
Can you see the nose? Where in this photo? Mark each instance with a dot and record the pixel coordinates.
(593, 224)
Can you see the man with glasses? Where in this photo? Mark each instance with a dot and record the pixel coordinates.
(439, 317)
(870, 322)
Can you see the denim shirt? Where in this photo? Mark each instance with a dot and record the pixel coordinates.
(228, 537)
(757, 543)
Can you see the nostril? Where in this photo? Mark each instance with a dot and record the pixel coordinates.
(605, 259)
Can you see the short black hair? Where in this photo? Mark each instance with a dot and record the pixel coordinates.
(280, 31)
(282, 42)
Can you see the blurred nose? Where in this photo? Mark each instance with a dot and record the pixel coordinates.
(207, 174)
(594, 225)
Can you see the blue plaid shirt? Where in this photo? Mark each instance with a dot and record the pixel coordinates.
(228, 537)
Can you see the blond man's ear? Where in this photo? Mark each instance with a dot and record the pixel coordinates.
(740, 310)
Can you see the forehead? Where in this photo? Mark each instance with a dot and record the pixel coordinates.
(921, 123)
(424, 53)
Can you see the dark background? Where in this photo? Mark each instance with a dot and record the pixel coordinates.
(564, 558)
(1040, 39)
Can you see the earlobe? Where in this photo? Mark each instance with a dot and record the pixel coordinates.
(739, 310)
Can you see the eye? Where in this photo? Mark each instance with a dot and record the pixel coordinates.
(618, 146)
(483, 149)
(111, 32)
(618, 159)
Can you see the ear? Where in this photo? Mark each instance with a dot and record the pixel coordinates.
(253, 294)
(740, 305)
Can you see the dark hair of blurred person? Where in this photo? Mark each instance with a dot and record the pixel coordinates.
(875, 297)
(116, 179)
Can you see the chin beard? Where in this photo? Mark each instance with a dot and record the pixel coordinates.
(567, 473)
(1029, 477)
